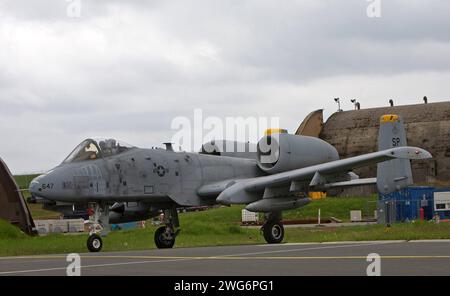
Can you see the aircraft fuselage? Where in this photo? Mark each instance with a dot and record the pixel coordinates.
(147, 175)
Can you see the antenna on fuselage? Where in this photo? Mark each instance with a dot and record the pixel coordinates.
(169, 146)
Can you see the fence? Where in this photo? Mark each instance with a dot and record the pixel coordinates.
(391, 211)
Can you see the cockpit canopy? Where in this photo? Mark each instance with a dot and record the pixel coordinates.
(91, 149)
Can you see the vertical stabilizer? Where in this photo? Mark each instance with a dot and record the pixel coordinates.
(394, 174)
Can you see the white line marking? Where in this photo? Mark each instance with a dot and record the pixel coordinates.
(308, 249)
(430, 241)
(90, 266)
(346, 243)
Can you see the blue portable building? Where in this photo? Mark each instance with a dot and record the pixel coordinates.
(404, 205)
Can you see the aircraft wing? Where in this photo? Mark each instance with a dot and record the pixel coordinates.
(334, 167)
(314, 177)
(214, 189)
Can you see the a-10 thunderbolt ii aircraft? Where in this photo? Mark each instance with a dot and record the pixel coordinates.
(134, 183)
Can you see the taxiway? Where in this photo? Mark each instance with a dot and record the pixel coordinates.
(345, 258)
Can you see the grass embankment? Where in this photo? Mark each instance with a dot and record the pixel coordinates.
(211, 228)
(335, 207)
(23, 181)
(219, 227)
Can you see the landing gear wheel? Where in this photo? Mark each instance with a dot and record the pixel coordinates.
(164, 239)
(94, 243)
(273, 232)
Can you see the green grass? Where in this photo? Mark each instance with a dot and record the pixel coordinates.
(220, 227)
(8, 231)
(399, 231)
(214, 227)
(210, 228)
(23, 181)
(38, 213)
(338, 207)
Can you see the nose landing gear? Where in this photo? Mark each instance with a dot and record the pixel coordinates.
(94, 243)
(99, 226)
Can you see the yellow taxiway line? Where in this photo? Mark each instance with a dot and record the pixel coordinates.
(231, 257)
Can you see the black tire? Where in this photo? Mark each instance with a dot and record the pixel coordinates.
(273, 232)
(161, 241)
(94, 243)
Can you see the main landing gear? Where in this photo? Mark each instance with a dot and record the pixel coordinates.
(273, 229)
(99, 226)
(165, 235)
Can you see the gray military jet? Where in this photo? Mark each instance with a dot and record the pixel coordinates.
(126, 182)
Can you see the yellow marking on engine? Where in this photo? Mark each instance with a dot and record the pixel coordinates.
(273, 131)
(389, 118)
(315, 195)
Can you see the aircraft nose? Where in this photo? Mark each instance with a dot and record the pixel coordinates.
(35, 185)
(51, 185)
(42, 185)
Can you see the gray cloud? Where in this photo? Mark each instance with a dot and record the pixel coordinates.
(127, 68)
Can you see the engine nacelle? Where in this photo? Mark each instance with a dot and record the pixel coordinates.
(284, 152)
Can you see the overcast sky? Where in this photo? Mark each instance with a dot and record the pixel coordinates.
(125, 69)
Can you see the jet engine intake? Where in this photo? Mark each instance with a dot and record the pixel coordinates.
(284, 152)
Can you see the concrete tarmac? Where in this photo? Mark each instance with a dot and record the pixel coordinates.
(344, 258)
